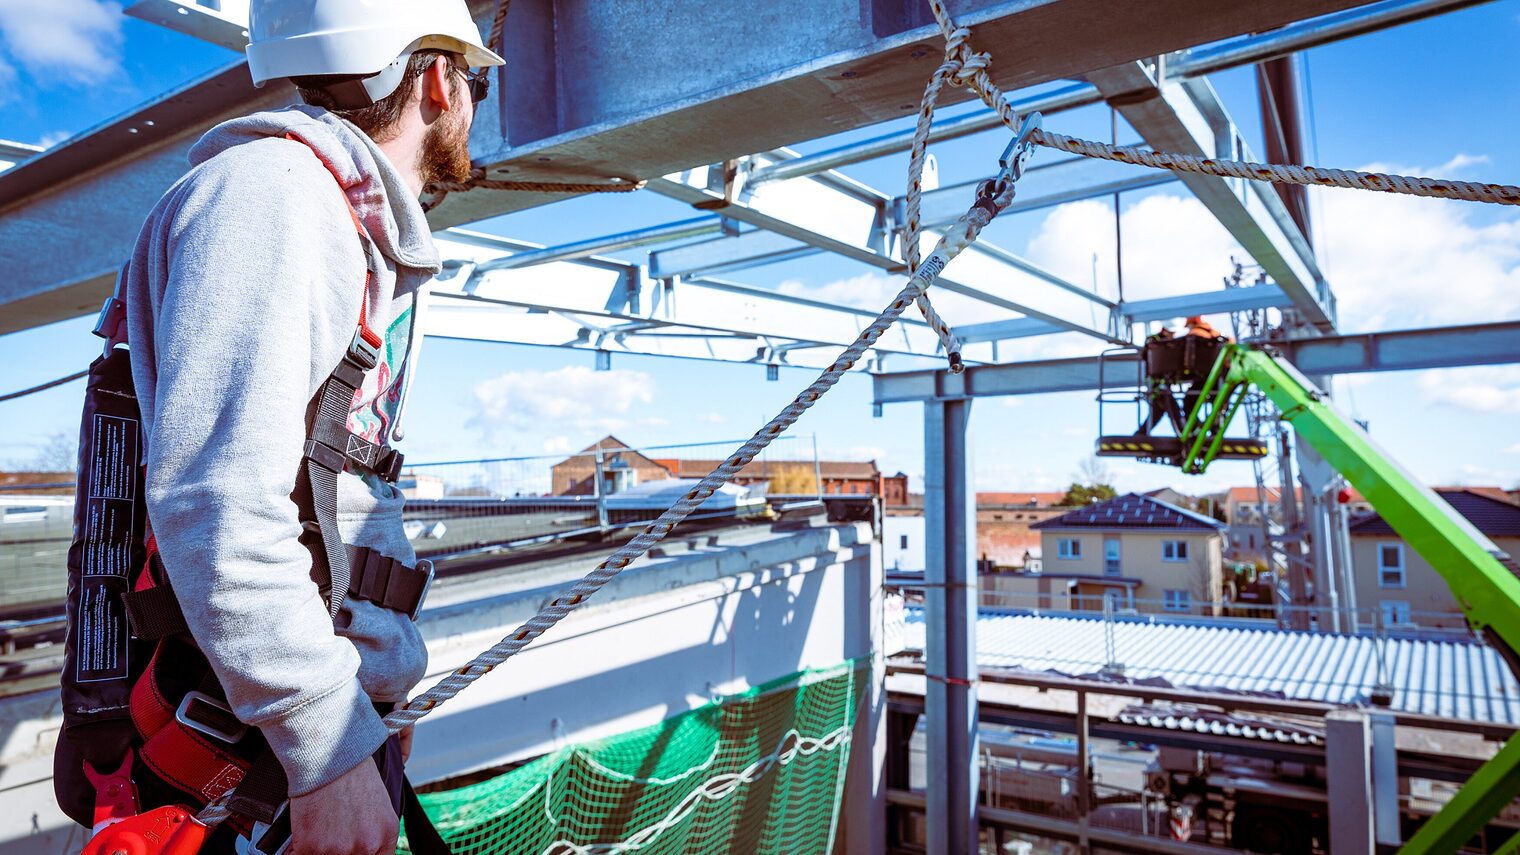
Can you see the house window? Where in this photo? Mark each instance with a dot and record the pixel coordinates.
(997, 517)
(1391, 565)
(904, 542)
(1174, 550)
(1069, 547)
(1177, 601)
(1251, 539)
(1395, 613)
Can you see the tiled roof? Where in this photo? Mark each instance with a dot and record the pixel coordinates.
(1132, 511)
(1491, 515)
(1455, 679)
(831, 469)
(1038, 500)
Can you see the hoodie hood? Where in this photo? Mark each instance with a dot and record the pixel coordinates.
(391, 214)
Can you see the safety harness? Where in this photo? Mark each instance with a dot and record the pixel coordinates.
(164, 727)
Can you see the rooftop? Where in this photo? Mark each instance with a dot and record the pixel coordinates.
(1132, 510)
(1487, 508)
(1036, 500)
(1455, 679)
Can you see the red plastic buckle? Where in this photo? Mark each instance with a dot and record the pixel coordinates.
(115, 794)
(169, 830)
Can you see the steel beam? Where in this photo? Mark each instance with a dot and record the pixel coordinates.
(1139, 311)
(1402, 350)
(606, 297)
(12, 153)
(806, 215)
(1067, 180)
(589, 93)
(954, 782)
(1193, 63)
(1187, 118)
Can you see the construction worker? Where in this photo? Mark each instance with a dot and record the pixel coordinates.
(242, 294)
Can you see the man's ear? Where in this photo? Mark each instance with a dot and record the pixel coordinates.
(436, 91)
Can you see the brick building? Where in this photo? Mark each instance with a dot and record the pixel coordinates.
(1003, 520)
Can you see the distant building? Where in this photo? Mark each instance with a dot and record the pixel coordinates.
(622, 468)
(902, 543)
(840, 477)
(1403, 588)
(1138, 552)
(894, 491)
(415, 486)
(57, 483)
(1003, 524)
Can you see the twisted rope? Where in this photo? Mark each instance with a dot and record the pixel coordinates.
(1280, 173)
(972, 72)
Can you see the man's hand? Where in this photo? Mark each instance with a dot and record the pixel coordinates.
(405, 738)
(352, 815)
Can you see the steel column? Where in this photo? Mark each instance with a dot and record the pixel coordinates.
(950, 638)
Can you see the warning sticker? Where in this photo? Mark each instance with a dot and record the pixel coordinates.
(100, 643)
(111, 478)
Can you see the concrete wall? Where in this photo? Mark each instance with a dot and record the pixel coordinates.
(902, 542)
(662, 638)
(1431, 603)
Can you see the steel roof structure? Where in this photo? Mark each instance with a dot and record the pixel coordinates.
(702, 105)
(1449, 679)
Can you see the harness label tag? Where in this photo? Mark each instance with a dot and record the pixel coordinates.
(108, 539)
(112, 483)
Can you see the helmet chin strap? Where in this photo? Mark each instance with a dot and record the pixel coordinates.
(356, 93)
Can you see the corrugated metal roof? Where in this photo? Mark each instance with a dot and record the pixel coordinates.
(1453, 679)
(1132, 510)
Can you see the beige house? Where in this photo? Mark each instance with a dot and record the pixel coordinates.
(1139, 552)
(1400, 587)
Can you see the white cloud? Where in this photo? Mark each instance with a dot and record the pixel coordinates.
(557, 445)
(1400, 261)
(574, 399)
(1487, 389)
(1172, 245)
(1513, 449)
(52, 138)
(75, 39)
(713, 418)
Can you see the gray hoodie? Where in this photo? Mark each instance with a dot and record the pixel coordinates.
(242, 294)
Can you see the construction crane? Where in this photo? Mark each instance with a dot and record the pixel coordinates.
(1196, 382)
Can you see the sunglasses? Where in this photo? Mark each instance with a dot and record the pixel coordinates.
(478, 81)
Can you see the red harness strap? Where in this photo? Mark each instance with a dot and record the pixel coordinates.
(188, 758)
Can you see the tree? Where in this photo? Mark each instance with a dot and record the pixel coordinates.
(1093, 484)
(795, 480)
(58, 453)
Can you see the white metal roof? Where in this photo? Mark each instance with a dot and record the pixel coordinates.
(1455, 679)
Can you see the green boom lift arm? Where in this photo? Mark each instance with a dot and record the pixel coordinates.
(1487, 590)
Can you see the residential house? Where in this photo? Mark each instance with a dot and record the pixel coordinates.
(1003, 525)
(622, 467)
(1136, 551)
(1398, 585)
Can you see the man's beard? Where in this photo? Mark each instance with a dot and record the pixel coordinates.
(445, 154)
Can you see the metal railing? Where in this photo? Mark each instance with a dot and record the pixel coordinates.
(467, 508)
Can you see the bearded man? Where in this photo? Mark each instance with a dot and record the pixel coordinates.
(296, 243)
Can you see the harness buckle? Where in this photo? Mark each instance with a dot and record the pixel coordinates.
(427, 585)
(115, 794)
(362, 351)
(221, 723)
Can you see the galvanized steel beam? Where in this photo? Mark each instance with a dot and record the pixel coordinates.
(1187, 118)
(950, 704)
(1401, 350)
(592, 90)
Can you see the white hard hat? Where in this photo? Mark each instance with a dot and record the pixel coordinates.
(299, 38)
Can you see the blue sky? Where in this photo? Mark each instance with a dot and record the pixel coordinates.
(1434, 97)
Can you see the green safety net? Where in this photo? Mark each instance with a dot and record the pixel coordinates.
(754, 773)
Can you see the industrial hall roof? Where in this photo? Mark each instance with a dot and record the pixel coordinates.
(1453, 679)
(1132, 510)
(1487, 512)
